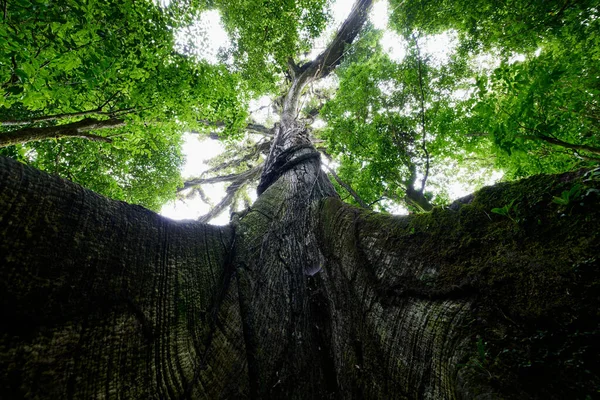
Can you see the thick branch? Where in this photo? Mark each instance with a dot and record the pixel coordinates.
(50, 118)
(45, 118)
(259, 148)
(331, 57)
(256, 128)
(423, 124)
(73, 129)
(414, 197)
(241, 177)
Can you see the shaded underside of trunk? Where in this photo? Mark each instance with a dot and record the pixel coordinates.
(105, 299)
(302, 297)
(466, 303)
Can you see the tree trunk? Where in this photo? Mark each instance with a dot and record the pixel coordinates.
(302, 297)
(105, 299)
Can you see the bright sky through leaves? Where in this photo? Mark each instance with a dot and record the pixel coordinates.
(206, 38)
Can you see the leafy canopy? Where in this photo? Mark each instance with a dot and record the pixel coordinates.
(110, 60)
(519, 92)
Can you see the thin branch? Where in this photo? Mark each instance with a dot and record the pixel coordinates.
(349, 189)
(558, 142)
(371, 204)
(586, 158)
(423, 126)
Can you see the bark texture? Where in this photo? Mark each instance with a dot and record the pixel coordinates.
(302, 297)
(464, 303)
(104, 299)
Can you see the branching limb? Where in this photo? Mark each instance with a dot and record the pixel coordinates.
(259, 148)
(325, 62)
(254, 128)
(414, 197)
(237, 184)
(245, 176)
(97, 111)
(558, 142)
(292, 68)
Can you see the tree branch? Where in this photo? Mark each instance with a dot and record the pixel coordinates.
(325, 62)
(252, 173)
(423, 126)
(73, 129)
(97, 111)
(261, 147)
(558, 142)
(256, 128)
(237, 184)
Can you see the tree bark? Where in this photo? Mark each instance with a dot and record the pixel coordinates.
(105, 299)
(302, 297)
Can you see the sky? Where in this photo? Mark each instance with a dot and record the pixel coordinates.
(208, 35)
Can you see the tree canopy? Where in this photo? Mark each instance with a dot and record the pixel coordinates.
(97, 92)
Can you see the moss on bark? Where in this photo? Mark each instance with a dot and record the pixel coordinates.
(532, 272)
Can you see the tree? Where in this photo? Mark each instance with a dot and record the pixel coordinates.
(388, 123)
(301, 295)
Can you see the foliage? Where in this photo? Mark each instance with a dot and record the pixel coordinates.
(139, 166)
(266, 36)
(110, 60)
(542, 112)
(517, 25)
(507, 210)
(539, 109)
(392, 124)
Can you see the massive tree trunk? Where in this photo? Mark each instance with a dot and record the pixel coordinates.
(301, 296)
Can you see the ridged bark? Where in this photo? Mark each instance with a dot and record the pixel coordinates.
(302, 296)
(465, 303)
(105, 299)
(305, 297)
